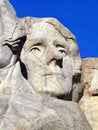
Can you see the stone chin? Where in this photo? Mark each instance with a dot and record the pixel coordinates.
(52, 85)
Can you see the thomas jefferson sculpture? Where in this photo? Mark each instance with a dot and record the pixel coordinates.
(38, 62)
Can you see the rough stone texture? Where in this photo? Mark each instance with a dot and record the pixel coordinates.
(38, 63)
(27, 110)
(55, 60)
(11, 34)
(89, 100)
(69, 38)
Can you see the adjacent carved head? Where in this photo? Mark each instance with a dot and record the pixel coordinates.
(12, 34)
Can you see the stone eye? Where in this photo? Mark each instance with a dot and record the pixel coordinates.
(35, 49)
(61, 50)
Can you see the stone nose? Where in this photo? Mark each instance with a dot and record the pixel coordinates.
(53, 56)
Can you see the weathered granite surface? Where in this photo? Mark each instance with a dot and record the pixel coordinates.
(89, 100)
(39, 65)
(51, 55)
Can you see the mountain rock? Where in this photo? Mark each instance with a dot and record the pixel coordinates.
(89, 100)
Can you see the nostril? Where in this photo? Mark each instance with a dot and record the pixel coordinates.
(59, 63)
(95, 94)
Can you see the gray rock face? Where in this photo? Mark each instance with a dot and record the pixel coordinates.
(38, 62)
(49, 54)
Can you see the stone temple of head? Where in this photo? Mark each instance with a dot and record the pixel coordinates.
(44, 83)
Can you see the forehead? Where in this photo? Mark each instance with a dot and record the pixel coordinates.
(42, 30)
(44, 33)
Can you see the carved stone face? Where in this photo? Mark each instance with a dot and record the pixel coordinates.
(46, 56)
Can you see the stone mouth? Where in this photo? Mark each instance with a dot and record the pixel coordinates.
(51, 73)
(54, 74)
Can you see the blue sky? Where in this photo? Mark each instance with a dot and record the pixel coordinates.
(80, 16)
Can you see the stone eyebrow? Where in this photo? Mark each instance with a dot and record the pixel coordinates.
(61, 44)
(37, 44)
(34, 42)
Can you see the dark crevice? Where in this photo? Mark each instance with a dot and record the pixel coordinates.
(67, 97)
(77, 78)
(16, 45)
(23, 70)
(96, 94)
(59, 63)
